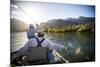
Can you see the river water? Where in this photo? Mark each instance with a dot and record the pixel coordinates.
(81, 46)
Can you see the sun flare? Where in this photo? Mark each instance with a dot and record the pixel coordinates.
(33, 14)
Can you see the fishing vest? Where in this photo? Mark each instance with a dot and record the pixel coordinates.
(37, 55)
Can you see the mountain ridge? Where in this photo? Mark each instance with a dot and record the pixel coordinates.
(17, 25)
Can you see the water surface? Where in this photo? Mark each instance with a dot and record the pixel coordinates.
(81, 46)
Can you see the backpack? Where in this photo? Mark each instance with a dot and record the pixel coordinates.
(37, 55)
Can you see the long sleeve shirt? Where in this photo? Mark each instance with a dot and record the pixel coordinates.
(31, 32)
(46, 43)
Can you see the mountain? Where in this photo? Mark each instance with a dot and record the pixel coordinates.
(68, 21)
(17, 25)
(86, 20)
(70, 24)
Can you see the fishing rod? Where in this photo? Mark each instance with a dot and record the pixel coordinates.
(24, 12)
(61, 57)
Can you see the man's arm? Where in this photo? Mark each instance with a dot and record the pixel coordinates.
(56, 46)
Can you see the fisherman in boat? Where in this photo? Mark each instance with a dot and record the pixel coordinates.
(31, 31)
(39, 50)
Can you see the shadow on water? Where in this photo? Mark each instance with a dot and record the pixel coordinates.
(81, 46)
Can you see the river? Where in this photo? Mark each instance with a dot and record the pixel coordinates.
(81, 46)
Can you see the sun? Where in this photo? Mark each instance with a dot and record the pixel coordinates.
(33, 14)
(30, 13)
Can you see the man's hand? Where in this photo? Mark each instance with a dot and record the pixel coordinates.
(65, 48)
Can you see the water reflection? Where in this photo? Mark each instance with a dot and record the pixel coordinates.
(78, 50)
(18, 39)
(81, 46)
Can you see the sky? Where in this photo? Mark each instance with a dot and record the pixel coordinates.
(42, 12)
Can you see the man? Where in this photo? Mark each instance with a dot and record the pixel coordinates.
(46, 43)
(31, 31)
(40, 41)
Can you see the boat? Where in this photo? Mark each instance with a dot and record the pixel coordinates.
(57, 60)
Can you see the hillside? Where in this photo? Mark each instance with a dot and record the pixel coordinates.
(17, 25)
(86, 24)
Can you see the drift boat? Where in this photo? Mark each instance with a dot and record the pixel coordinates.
(20, 61)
